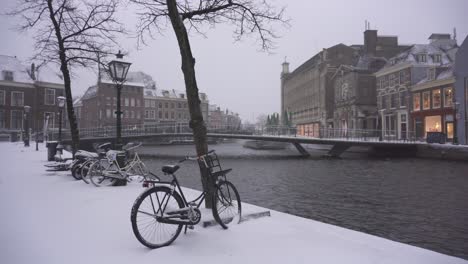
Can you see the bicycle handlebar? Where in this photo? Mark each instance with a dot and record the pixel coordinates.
(196, 157)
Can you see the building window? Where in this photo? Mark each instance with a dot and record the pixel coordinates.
(417, 101)
(108, 113)
(132, 102)
(172, 115)
(401, 77)
(138, 114)
(2, 97)
(8, 76)
(437, 58)
(160, 105)
(137, 102)
(114, 99)
(17, 99)
(160, 115)
(180, 115)
(49, 97)
(147, 103)
(436, 98)
(433, 123)
(431, 72)
(166, 105)
(422, 57)
(166, 115)
(403, 98)
(179, 105)
(132, 114)
(16, 119)
(2, 119)
(153, 104)
(127, 102)
(448, 97)
(426, 100)
(108, 101)
(172, 105)
(393, 100)
(49, 119)
(146, 114)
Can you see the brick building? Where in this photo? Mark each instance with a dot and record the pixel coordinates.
(401, 72)
(97, 107)
(21, 85)
(354, 85)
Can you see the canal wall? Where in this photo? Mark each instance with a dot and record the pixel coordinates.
(442, 151)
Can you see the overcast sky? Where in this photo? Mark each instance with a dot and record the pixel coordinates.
(235, 75)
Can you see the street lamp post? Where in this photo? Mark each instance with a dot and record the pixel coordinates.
(455, 121)
(118, 70)
(61, 104)
(26, 125)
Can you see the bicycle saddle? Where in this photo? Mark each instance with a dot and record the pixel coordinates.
(170, 169)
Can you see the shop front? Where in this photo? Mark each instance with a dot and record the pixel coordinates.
(309, 130)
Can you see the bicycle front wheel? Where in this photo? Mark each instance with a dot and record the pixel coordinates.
(97, 175)
(226, 204)
(147, 207)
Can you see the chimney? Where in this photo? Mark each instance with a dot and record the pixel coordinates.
(33, 71)
(324, 55)
(285, 67)
(370, 41)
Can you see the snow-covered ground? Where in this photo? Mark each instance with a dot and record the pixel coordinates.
(48, 217)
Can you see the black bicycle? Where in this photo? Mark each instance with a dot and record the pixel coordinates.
(159, 213)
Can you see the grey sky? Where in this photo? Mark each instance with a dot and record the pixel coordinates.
(238, 77)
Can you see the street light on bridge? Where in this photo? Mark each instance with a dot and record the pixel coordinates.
(118, 70)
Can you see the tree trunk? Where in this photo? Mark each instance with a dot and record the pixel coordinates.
(66, 80)
(196, 117)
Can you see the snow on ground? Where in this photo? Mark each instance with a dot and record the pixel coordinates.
(48, 217)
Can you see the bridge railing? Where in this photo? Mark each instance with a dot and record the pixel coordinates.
(179, 128)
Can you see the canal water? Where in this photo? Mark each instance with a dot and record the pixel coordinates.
(414, 201)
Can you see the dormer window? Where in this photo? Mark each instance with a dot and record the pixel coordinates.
(8, 76)
(422, 57)
(437, 58)
(431, 74)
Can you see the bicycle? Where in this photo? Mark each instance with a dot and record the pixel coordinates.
(160, 212)
(104, 172)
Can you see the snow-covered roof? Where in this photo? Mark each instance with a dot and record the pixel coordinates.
(17, 67)
(442, 73)
(91, 92)
(445, 48)
(22, 71)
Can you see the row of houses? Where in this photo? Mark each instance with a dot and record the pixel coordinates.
(143, 103)
(400, 91)
(23, 85)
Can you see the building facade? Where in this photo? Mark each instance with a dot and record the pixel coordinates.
(354, 85)
(432, 104)
(22, 85)
(97, 107)
(307, 93)
(401, 72)
(461, 92)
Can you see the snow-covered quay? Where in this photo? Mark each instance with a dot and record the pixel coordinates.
(48, 217)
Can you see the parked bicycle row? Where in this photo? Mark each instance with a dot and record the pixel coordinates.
(161, 211)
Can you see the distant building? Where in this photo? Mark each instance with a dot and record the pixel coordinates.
(22, 85)
(223, 120)
(307, 93)
(461, 91)
(142, 104)
(97, 107)
(395, 80)
(354, 85)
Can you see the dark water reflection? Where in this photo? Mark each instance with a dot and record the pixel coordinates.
(414, 201)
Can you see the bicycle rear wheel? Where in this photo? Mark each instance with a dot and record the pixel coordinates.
(151, 203)
(85, 170)
(226, 204)
(96, 175)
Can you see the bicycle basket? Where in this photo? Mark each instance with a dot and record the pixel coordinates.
(211, 163)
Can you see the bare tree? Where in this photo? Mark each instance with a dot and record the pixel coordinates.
(248, 17)
(71, 34)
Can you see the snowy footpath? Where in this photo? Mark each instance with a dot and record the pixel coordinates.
(48, 217)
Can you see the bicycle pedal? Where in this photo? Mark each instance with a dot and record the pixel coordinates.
(192, 203)
(191, 227)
